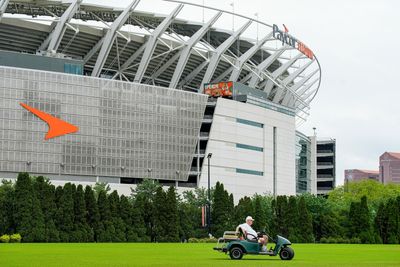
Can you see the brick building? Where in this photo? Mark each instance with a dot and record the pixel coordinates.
(358, 175)
(389, 168)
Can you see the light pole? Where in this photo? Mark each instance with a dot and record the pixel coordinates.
(209, 197)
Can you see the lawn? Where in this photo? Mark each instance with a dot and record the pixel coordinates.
(136, 254)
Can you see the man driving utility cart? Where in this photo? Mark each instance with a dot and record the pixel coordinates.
(246, 241)
(250, 234)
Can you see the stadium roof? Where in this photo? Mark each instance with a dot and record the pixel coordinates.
(163, 50)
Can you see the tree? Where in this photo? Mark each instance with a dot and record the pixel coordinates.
(398, 222)
(106, 227)
(143, 196)
(291, 219)
(366, 235)
(6, 207)
(118, 223)
(381, 224)
(377, 192)
(45, 193)
(27, 215)
(243, 209)
(260, 215)
(359, 221)
(392, 217)
(279, 207)
(147, 188)
(101, 187)
(171, 216)
(133, 220)
(220, 212)
(326, 221)
(138, 221)
(65, 211)
(160, 226)
(82, 232)
(305, 224)
(92, 213)
(190, 213)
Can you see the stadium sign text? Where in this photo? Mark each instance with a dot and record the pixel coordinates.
(286, 38)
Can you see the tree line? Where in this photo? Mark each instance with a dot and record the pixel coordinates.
(41, 212)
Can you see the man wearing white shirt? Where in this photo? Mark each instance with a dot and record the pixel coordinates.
(251, 234)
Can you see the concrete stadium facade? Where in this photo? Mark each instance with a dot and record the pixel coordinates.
(138, 99)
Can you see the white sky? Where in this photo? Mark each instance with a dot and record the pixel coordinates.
(356, 42)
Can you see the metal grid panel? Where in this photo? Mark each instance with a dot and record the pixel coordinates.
(125, 129)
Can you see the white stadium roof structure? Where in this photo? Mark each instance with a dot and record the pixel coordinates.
(164, 50)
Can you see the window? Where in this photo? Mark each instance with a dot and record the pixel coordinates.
(251, 123)
(255, 148)
(252, 172)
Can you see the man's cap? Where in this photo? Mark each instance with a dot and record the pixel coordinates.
(249, 218)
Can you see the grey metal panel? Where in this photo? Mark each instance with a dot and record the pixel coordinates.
(152, 42)
(110, 37)
(215, 58)
(124, 128)
(188, 48)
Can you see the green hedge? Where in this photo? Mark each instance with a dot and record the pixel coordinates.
(340, 240)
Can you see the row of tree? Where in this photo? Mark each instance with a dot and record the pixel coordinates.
(41, 212)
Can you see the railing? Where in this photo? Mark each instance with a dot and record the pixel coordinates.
(324, 188)
(325, 176)
(324, 163)
(324, 151)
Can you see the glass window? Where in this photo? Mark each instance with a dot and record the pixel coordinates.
(251, 123)
(252, 172)
(255, 148)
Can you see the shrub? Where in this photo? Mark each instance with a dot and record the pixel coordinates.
(15, 238)
(4, 238)
(341, 240)
(323, 240)
(331, 240)
(355, 240)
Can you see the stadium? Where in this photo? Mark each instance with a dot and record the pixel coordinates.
(153, 96)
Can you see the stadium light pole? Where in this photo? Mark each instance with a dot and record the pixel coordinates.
(209, 197)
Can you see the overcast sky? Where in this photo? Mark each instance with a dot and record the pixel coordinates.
(356, 42)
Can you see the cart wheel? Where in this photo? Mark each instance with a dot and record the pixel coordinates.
(286, 253)
(236, 253)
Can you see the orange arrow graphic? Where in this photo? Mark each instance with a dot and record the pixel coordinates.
(57, 127)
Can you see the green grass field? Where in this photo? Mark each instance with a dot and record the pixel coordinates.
(136, 254)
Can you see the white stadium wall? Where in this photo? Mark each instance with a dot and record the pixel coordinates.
(246, 171)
